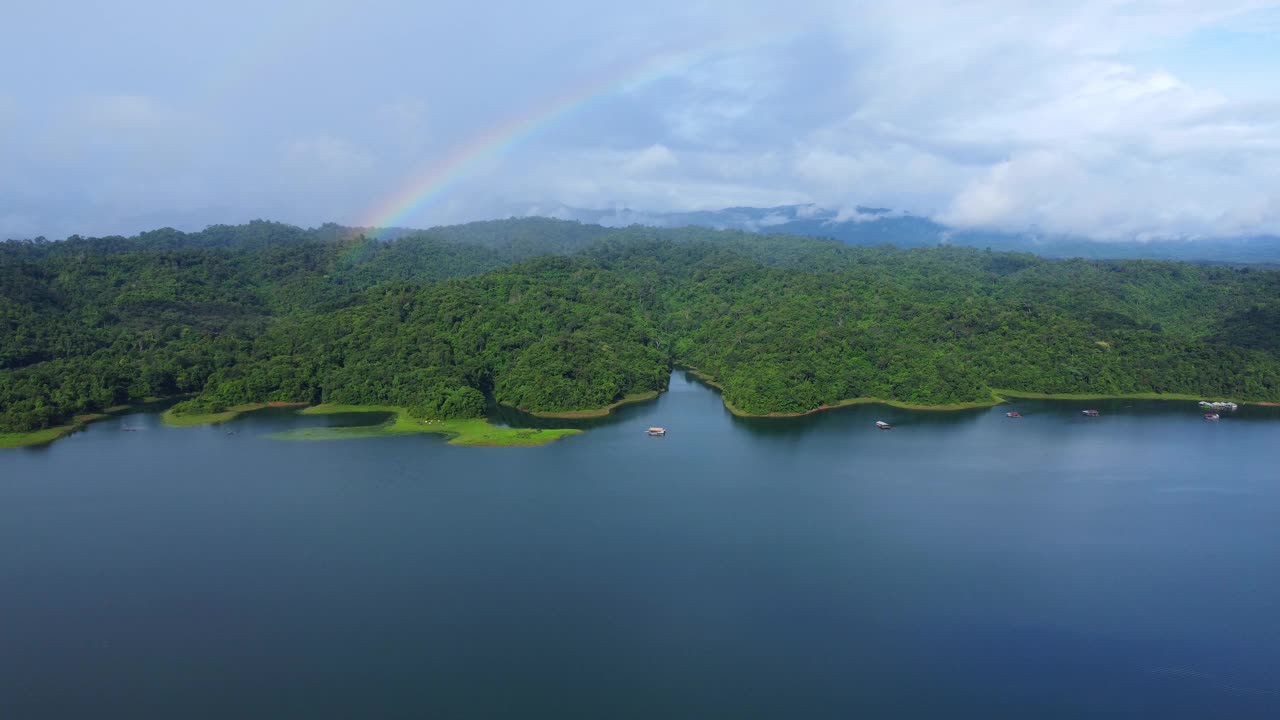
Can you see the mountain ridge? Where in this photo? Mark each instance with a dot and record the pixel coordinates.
(867, 225)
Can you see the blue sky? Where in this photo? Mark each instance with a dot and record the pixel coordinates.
(1104, 118)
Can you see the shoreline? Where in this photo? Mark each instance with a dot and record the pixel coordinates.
(1163, 397)
(38, 438)
(999, 397)
(848, 402)
(46, 436)
(605, 411)
(479, 432)
(474, 432)
(1023, 395)
(197, 419)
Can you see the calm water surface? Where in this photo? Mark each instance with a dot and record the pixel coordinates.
(961, 565)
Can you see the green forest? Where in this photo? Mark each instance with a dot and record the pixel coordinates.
(550, 316)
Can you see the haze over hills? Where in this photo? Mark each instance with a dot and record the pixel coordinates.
(862, 225)
(857, 226)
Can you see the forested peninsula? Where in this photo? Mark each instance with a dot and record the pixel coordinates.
(562, 318)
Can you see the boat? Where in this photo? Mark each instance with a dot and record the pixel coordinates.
(883, 425)
(1013, 414)
(1211, 416)
(1230, 406)
(1091, 413)
(1205, 403)
(657, 431)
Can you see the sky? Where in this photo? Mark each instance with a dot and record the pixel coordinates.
(1103, 118)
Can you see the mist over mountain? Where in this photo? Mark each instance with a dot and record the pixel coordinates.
(861, 225)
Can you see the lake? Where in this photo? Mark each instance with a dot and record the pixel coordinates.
(960, 565)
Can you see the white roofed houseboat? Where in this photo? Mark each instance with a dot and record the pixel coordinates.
(1216, 407)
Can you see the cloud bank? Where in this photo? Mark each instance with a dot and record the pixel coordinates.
(1106, 118)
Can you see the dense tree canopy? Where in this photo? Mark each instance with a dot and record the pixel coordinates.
(549, 315)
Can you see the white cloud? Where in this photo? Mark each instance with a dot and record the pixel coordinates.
(403, 124)
(650, 160)
(325, 158)
(851, 213)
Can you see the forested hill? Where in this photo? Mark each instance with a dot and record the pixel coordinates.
(549, 315)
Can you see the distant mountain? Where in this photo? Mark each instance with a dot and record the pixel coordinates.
(879, 226)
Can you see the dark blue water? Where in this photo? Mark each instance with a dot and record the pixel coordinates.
(960, 565)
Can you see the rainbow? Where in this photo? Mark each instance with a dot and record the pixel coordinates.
(436, 179)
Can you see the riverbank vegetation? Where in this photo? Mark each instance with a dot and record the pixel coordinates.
(564, 319)
(36, 438)
(44, 436)
(400, 421)
(181, 414)
(629, 399)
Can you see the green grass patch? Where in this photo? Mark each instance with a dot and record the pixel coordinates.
(975, 405)
(36, 437)
(707, 379)
(598, 412)
(1098, 396)
(194, 419)
(870, 401)
(476, 431)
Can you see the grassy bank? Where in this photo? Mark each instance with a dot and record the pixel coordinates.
(708, 380)
(476, 432)
(1128, 396)
(869, 401)
(37, 437)
(598, 412)
(195, 419)
(1098, 396)
(998, 397)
